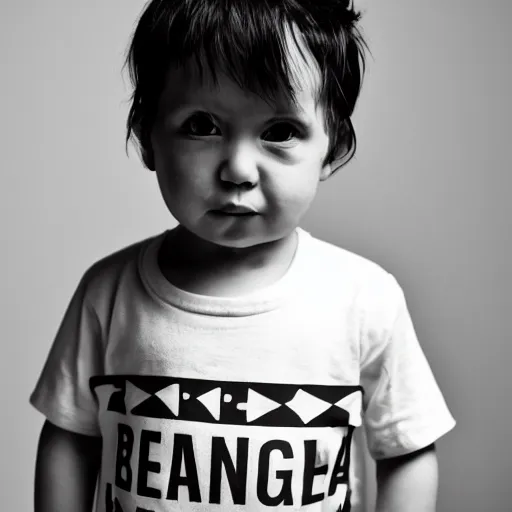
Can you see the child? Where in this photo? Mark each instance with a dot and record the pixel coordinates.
(224, 364)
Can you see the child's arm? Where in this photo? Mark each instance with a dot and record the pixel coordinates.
(408, 483)
(66, 470)
(404, 409)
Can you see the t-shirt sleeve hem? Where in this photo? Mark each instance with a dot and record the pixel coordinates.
(410, 443)
(64, 421)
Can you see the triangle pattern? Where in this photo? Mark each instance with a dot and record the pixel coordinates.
(307, 406)
(170, 396)
(211, 401)
(352, 404)
(134, 396)
(258, 405)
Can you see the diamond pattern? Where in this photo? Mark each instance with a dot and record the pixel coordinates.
(352, 404)
(228, 402)
(307, 406)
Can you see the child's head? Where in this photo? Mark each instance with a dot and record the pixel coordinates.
(246, 102)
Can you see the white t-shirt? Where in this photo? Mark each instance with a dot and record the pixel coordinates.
(240, 404)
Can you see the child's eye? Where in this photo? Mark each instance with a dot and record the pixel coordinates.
(200, 125)
(280, 132)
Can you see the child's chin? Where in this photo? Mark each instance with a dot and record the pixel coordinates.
(237, 238)
(241, 242)
(245, 242)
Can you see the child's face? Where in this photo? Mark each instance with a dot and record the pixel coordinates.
(220, 147)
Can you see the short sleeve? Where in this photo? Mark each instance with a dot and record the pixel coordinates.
(62, 393)
(404, 409)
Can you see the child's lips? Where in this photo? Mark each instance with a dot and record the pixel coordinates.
(236, 209)
(226, 214)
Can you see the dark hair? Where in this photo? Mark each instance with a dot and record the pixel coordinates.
(247, 40)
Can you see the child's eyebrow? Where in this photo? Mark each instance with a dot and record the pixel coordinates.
(276, 113)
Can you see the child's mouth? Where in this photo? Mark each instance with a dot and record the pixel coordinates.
(236, 210)
(234, 214)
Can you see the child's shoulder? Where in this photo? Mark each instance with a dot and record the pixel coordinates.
(336, 262)
(374, 290)
(106, 273)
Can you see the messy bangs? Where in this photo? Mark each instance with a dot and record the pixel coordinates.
(246, 43)
(247, 40)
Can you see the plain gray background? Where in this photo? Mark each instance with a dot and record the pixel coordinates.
(428, 198)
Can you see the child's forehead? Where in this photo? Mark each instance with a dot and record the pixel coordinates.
(194, 80)
(183, 88)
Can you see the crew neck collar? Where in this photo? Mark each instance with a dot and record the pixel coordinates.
(260, 301)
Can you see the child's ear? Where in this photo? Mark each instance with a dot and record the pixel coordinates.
(146, 151)
(325, 172)
(340, 160)
(335, 165)
(345, 151)
(148, 159)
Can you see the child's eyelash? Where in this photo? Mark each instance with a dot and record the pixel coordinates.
(209, 128)
(288, 127)
(199, 117)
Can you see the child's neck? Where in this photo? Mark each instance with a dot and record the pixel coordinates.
(198, 266)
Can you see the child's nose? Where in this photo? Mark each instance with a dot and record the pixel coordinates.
(239, 166)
